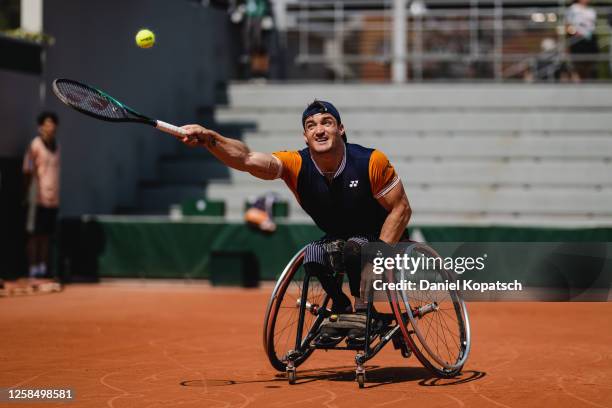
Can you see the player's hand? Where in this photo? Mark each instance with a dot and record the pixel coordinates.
(196, 135)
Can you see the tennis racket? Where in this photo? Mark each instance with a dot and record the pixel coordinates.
(97, 104)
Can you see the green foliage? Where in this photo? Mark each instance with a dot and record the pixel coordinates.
(10, 23)
(40, 38)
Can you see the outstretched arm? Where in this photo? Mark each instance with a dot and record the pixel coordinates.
(233, 153)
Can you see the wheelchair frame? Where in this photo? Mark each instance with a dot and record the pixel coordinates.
(399, 333)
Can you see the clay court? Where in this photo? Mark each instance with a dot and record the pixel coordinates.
(146, 344)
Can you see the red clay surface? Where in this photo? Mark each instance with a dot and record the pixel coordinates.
(193, 346)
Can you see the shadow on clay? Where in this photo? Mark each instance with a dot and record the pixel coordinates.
(375, 377)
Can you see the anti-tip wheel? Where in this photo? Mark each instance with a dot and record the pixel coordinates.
(361, 379)
(291, 376)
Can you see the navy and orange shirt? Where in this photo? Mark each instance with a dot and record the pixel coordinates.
(347, 206)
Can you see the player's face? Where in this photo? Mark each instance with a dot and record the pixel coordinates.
(48, 128)
(322, 133)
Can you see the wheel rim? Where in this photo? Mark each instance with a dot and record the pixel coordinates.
(440, 330)
(283, 312)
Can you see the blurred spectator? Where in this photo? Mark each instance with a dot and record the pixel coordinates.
(259, 213)
(549, 65)
(256, 17)
(580, 22)
(41, 166)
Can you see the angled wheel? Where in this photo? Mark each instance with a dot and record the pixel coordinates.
(434, 324)
(283, 312)
(291, 376)
(361, 379)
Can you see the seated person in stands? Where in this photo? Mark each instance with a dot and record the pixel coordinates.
(351, 192)
(259, 215)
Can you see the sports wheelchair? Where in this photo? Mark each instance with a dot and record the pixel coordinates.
(432, 325)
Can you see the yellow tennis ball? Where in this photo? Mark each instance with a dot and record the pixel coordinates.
(145, 38)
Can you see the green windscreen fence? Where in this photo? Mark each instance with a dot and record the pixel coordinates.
(160, 248)
(515, 234)
(165, 249)
(202, 206)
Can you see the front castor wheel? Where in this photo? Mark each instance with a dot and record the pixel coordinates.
(361, 379)
(291, 376)
(360, 371)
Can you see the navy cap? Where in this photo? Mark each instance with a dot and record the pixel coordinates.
(321, 107)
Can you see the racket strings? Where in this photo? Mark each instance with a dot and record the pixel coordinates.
(89, 100)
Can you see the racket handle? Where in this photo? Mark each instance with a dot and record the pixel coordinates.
(168, 128)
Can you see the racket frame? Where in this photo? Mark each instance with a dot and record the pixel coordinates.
(131, 115)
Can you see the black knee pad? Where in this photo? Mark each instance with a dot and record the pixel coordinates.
(334, 251)
(352, 264)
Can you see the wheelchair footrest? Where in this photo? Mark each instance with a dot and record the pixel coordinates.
(344, 322)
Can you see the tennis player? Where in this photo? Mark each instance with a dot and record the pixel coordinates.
(41, 166)
(351, 192)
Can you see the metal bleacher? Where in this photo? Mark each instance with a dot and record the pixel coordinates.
(477, 154)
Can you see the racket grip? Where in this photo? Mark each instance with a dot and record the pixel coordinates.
(168, 128)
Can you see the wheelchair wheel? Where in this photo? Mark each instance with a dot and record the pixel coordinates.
(434, 324)
(282, 314)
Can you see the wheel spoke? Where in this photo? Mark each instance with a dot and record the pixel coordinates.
(444, 339)
(438, 334)
(288, 313)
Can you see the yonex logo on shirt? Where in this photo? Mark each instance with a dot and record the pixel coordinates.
(353, 183)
